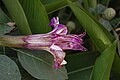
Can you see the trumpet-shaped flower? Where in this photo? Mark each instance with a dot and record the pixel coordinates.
(55, 42)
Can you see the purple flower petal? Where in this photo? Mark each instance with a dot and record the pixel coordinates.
(59, 29)
(70, 42)
(82, 35)
(54, 22)
(59, 56)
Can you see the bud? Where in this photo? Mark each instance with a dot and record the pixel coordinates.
(109, 13)
(70, 25)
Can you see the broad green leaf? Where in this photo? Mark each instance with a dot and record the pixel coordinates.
(18, 15)
(80, 65)
(40, 65)
(3, 17)
(4, 28)
(25, 74)
(36, 15)
(103, 64)
(8, 69)
(54, 5)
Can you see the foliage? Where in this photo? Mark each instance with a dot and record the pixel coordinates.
(100, 62)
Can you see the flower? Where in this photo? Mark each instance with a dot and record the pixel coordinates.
(55, 42)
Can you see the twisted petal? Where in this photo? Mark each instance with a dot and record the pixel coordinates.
(58, 28)
(54, 22)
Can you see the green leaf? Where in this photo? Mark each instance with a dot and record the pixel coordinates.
(3, 17)
(80, 65)
(54, 5)
(118, 46)
(8, 69)
(52, 1)
(36, 15)
(103, 64)
(18, 15)
(48, 1)
(40, 65)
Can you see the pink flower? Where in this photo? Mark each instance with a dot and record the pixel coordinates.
(55, 42)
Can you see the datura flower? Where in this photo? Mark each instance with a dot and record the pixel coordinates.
(55, 42)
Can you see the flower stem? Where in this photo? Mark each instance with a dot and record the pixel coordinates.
(12, 41)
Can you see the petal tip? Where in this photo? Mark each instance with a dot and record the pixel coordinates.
(54, 21)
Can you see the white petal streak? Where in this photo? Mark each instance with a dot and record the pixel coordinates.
(55, 47)
(59, 31)
(63, 63)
